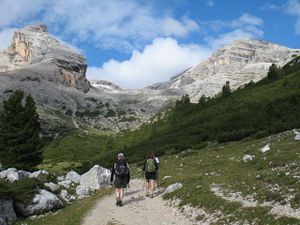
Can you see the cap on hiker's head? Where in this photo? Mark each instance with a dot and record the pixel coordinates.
(121, 156)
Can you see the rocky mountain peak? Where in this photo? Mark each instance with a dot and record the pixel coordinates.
(34, 48)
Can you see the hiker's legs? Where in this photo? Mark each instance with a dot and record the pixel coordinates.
(121, 193)
(152, 185)
(147, 187)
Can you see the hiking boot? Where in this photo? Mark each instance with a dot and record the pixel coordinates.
(117, 203)
(147, 194)
(120, 203)
(152, 195)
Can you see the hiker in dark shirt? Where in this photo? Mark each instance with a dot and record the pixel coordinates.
(120, 170)
(150, 168)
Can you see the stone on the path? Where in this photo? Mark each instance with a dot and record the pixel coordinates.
(265, 148)
(43, 202)
(60, 178)
(173, 187)
(7, 212)
(96, 178)
(73, 177)
(247, 158)
(52, 186)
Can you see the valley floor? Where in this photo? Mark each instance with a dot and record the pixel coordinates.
(137, 210)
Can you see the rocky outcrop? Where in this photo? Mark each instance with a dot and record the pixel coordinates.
(43, 202)
(239, 62)
(7, 213)
(33, 46)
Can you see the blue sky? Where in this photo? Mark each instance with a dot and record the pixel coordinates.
(135, 43)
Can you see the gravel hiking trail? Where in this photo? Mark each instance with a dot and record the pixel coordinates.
(137, 210)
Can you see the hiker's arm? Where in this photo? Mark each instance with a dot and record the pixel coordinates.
(156, 165)
(144, 167)
(112, 173)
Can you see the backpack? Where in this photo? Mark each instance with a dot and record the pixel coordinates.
(121, 168)
(150, 166)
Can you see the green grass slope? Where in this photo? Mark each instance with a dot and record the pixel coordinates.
(272, 176)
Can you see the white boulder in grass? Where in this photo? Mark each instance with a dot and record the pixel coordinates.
(42, 202)
(66, 197)
(65, 183)
(52, 186)
(96, 178)
(38, 173)
(73, 177)
(83, 191)
(265, 148)
(173, 187)
(297, 135)
(247, 158)
(12, 174)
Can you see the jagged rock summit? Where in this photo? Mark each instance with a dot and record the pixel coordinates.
(34, 48)
(239, 62)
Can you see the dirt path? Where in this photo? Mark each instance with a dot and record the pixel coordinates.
(137, 210)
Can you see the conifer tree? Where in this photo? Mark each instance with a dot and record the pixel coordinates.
(226, 90)
(20, 143)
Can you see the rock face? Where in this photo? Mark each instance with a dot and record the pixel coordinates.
(43, 202)
(239, 62)
(7, 213)
(33, 46)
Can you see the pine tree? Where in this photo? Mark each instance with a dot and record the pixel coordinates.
(202, 99)
(20, 143)
(275, 72)
(226, 90)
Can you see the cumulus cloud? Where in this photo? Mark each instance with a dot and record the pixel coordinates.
(293, 9)
(157, 62)
(104, 23)
(165, 57)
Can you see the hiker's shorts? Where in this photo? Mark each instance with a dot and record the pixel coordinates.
(120, 182)
(150, 176)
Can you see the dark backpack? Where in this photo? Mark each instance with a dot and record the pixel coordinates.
(150, 166)
(121, 168)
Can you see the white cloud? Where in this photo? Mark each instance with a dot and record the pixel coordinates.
(210, 3)
(165, 57)
(293, 9)
(6, 37)
(269, 6)
(105, 23)
(157, 62)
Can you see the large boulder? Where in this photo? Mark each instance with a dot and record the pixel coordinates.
(173, 187)
(7, 213)
(96, 178)
(12, 174)
(73, 177)
(43, 202)
(266, 148)
(65, 183)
